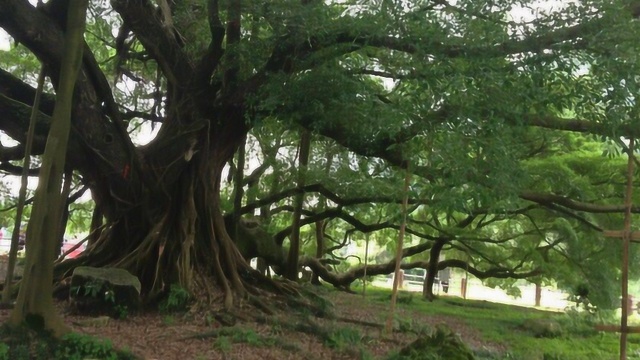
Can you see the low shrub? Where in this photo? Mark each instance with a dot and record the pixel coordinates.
(25, 344)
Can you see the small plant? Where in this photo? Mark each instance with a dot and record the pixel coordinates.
(24, 344)
(547, 356)
(102, 292)
(248, 336)
(79, 347)
(209, 320)
(121, 311)
(4, 351)
(93, 289)
(241, 335)
(343, 338)
(441, 344)
(177, 300)
(168, 320)
(20, 352)
(364, 354)
(412, 326)
(223, 343)
(582, 322)
(276, 329)
(485, 354)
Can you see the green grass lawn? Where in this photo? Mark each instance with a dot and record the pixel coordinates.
(504, 324)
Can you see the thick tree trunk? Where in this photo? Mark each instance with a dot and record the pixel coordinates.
(34, 305)
(320, 225)
(178, 235)
(294, 249)
(96, 224)
(432, 270)
(538, 294)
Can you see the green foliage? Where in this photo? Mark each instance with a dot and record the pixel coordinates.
(94, 289)
(226, 337)
(4, 351)
(24, 344)
(485, 354)
(102, 292)
(121, 311)
(543, 327)
(168, 320)
(403, 297)
(411, 325)
(343, 338)
(223, 343)
(248, 336)
(79, 347)
(177, 300)
(580, 322)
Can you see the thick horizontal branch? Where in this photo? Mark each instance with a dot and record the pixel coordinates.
(344, 280)
(319, 188)
(17, 170)
(550, 199)
(16, 89)
(358, 225)
(11, 153)
(129, 115)
(578, 125)
(15, 123)
(496, 272)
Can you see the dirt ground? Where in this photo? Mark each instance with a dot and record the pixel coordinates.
(156, 336)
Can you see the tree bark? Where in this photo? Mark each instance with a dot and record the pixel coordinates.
(34, 305)
(294, 249)
(319, 226)
(24, 181)
(396, 278)
(432, 269)
(238, 180)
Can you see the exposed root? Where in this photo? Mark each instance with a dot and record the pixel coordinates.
(260, 304)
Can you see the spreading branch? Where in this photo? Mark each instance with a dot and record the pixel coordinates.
(143, 19)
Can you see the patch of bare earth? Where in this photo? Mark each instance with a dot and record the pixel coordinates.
(152, 335)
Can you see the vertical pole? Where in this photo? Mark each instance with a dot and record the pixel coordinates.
(397, 278)
(625, 254)
(366, 262)
(463, 287)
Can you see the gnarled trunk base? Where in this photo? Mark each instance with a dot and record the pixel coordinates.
(179, 237)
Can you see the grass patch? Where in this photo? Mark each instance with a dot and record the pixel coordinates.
(343, 338)
(227, 336)
(503, 324)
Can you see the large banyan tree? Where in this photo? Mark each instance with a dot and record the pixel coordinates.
(462, 76)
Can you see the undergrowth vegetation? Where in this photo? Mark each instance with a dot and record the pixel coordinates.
(432, 331)
(24, 344)
(569, 335)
